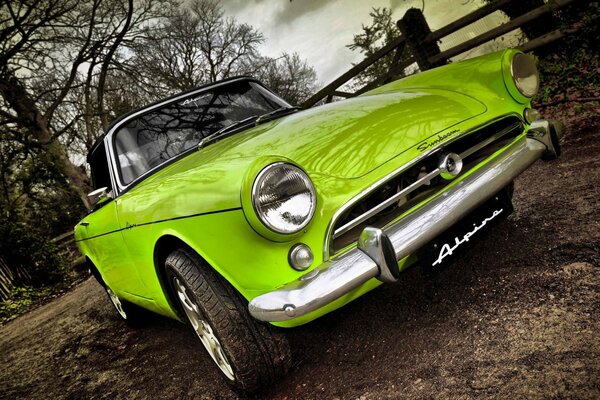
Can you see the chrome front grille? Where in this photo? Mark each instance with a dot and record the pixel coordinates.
(415, 183)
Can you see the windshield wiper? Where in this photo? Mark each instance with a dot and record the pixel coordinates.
(275, 113)
(229, 127)
(258, 119)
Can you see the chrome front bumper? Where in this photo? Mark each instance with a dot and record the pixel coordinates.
(378, 252)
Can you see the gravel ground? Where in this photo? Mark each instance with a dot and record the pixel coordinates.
(516, 317)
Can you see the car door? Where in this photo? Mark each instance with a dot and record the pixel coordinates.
(102, 236)
(101, 232)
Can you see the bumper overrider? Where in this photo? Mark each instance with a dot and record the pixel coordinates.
(378, 251)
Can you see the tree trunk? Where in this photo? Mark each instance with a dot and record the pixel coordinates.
(30, 118)
(78, 180)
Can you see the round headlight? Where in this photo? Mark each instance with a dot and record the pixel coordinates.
(525, 74)
(283, 198)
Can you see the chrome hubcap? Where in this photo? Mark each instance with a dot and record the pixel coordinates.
(203, 330)
(116, 302)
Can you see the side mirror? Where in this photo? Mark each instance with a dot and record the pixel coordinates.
(98, 196)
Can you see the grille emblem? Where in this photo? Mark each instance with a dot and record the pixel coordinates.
(450, 165)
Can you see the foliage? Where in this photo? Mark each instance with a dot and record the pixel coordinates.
(373, 37)
(572, 70)
(24, 297)
(32, 211)
(289, 76)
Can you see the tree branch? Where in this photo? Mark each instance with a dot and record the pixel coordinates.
(106, 63)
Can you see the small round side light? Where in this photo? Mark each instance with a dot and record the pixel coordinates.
(300, 257)
(531, 115)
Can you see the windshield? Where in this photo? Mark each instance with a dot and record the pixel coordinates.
(147, 141)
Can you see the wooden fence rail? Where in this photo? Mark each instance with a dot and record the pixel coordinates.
(9, 277)
(501, 30)
(13, 275)
(423, 45)
(67, 249)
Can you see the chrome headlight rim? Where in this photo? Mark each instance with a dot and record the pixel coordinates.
(255, 192)
(514, 72)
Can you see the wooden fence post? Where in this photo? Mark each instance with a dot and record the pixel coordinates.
(426, 52)
(415, 29)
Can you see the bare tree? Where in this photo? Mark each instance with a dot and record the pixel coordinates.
(195, 45)
(68, 67)
(289, 76)
(55, 57)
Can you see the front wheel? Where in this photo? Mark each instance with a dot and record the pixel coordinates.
(249, 354)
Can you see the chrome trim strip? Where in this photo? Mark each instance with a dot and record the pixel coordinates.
(386, 203)
(346, 272)
(113, 178)
(415, 185)
(366, 192)
(489, 140)
(395, 173)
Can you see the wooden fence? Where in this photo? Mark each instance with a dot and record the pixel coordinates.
(13, 275)
(68, 251)
(422, 43)
(9, 276)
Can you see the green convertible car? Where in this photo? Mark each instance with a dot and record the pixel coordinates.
(229, 209)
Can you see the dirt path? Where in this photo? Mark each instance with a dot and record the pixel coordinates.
(517, 317)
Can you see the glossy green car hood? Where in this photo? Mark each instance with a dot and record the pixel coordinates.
(348, 139)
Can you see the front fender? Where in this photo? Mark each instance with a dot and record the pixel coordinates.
(485, 78)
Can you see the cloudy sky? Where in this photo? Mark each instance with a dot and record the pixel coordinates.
(319, 30)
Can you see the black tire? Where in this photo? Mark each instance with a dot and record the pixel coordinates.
(249, 354)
